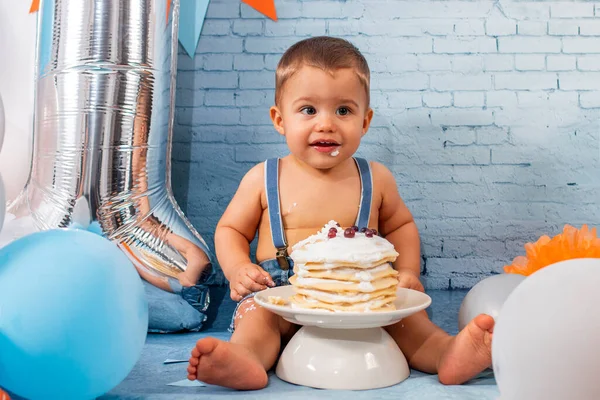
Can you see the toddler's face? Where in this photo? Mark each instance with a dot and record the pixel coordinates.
(323, 116)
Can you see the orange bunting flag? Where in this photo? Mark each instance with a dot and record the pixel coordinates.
(266, 7)
(35, 6)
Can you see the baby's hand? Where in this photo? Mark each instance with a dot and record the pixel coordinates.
(408, 279)
(249, 278)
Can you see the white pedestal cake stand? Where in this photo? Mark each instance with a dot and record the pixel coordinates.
(343, 350)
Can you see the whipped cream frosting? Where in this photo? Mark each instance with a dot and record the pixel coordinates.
(360, 249)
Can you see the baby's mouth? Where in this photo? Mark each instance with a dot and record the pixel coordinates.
(325, 146)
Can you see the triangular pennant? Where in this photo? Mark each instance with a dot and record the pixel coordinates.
(266, 7)
(168, 10)
(191, 19)
(35, 6)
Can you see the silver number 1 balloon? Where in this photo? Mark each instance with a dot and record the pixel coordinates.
(103, 130)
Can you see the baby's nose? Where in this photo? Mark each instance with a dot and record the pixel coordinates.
(325, 123)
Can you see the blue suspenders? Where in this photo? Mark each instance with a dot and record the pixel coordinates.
(366, 195)
(277, 232)
(272, 188)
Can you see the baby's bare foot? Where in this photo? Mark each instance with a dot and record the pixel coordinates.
(468, 353)
(226, 364)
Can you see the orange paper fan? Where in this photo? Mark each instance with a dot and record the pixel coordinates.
(571, 243)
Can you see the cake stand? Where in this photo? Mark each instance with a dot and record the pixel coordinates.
(342, 350)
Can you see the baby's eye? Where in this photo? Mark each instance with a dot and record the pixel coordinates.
(308, 110)
(343, 111)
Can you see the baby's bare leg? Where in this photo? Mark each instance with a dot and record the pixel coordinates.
(243, 362)
(430, 349)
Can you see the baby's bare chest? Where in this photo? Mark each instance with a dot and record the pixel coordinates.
(305, 206)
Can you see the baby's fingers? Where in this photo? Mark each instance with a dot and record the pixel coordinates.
(261, 276)
(268, 279)
(252, 285)
(235, 296)
(240, 290)
(418, 286)
(410, 282)
(403, 282)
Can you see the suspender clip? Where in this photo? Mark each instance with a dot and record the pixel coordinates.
(282, 258)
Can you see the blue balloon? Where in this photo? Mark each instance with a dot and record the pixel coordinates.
(73, 315)
(95, 228)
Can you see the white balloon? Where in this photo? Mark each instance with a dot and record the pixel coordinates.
(15, 160)
(487, 297)
(18, 30)
(15, 228)
(1, 122)
(2, 203)
(546, 341)
(82, 215)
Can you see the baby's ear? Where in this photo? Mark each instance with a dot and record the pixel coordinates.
(277, 119)
(367, 120)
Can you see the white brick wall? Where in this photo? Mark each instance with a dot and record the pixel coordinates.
(486, 112)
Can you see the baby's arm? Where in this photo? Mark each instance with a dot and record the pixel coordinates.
(235, 230)
(396, 224)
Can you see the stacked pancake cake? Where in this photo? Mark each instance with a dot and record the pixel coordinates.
(344, 270)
